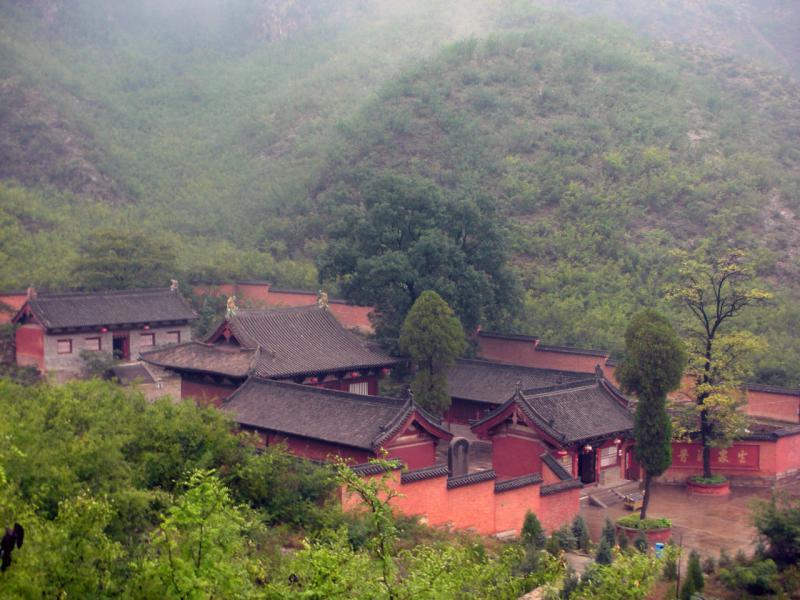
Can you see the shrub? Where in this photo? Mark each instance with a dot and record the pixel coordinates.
(532, 531)
(670, 570)
(759, 578)
(581, 533)
(571, 583)
(622, 540)
(609, 533)
(695, 573)
(714, 479)
(778, 524)
(633, 521)
(709, 565)
(565, 537)
(725, 560)
(640, 542)
(604, 555)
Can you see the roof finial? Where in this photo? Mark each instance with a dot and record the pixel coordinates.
(31, 293)
(173, 285)
(322, 300)
(408, 393)
(519, 386)
(231, 307)
(598, 372)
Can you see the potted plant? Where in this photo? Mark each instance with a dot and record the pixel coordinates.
(655, 530)
(716, 485)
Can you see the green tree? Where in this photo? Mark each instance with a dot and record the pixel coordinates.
(695, 571)
(654, 362)
(609, 532)
(778, 524)
(716, 291)
(120, 258)
(404, 236)
(433, 337)
(532, 531)
(199, 550)
(581, 532)
(604, 555)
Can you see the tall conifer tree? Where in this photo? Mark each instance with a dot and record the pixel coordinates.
(654, 362)
(433, 337)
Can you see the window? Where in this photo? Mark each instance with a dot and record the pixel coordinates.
(147, 339)
(64, 346)
(361, 387)
(608, 456)
(173, 337)
(92, 343)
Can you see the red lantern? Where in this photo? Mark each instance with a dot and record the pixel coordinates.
(313, 380)
(103, 329)
(561, 453)
(146, 327)
(587, 448)
(354, 374)
(617, 441)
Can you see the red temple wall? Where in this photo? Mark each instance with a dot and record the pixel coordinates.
(318, 450)
(557, 509)
(763, 460)
(772, 405)
(478, 506)
(205, 393)
(514, 455)
(787, 455)
(515, 352)
(416, 455)
(29, 341)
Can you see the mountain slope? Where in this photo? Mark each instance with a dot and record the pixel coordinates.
(604, 152)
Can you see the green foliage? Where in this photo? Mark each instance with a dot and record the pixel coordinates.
(284, 488)
(604, 554)
(609, 532)
(695, 572)
(581, 533)
(629, 577)
(564, 539)
(433, 337)
(97, 363)
(640, 542)
(655, 360)
(622, 540)
(758, 579)
(118, 259)
(636, 522)
(778, 525)
(708, 480)
(715, 289)
(405, 236)
(532, 532)
(199, 548)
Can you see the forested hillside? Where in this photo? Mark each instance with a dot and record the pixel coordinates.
(231, 130)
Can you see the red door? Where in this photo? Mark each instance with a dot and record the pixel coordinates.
(631, 466)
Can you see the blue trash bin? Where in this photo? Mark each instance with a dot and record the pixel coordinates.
(659, 549)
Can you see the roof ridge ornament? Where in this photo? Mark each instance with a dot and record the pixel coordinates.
(598, 372)
(231, 308)
(173, 285)
(322, 300)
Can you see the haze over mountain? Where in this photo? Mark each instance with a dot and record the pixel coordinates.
(229, 127)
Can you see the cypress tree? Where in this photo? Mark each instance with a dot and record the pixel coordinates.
(581, 532)
(695, 571)
(604, 555)
(609, 533)
(532, 531)
(432, 335)
(655, 359)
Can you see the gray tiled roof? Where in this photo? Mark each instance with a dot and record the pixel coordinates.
(94, 309)
(495, 382)
(231, 361)
(573, 412)
(337, 417)
(303, 341)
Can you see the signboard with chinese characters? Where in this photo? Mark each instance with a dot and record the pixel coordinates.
(738, 456)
